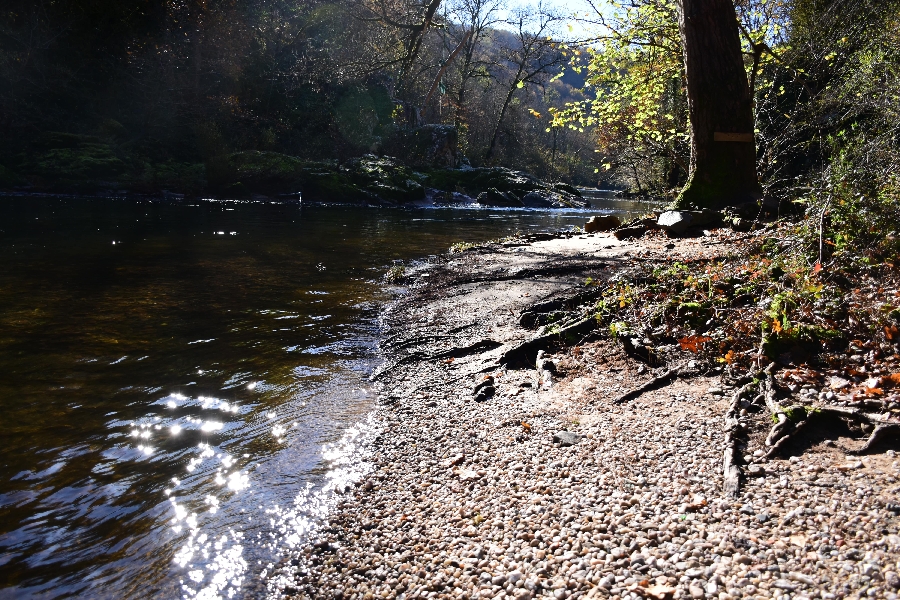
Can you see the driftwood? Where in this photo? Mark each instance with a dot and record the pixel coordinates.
(654, 383)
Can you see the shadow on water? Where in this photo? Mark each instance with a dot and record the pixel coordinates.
(179, 382)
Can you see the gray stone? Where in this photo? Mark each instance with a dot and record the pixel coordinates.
(566, 438)
(495, 198)
(537, 200)
(676, 221)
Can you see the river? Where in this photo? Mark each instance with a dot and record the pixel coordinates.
(184, 384)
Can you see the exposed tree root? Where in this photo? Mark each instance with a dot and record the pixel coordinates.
(881, 432)
(456, 352)
(531, 315)
(658, 381)
(731, 471)
(526, 352)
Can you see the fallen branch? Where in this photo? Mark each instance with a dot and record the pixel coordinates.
(654, 383)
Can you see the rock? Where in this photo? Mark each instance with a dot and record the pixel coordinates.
(755, 471)
(602, 223)
(679, 221)
(784, 584)
(675, 221)
(566, 438)
(537, 200)
(495, 198)
(696, 591)
(892, 580)
(627, 233)
(693, 573)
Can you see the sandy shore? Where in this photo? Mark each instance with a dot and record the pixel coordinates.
(479, 499)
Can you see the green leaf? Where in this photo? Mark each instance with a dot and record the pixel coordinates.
(520, 84)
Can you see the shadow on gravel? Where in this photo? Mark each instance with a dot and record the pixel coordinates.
(842, 433)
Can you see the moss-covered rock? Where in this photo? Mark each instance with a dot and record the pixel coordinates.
(473, 182)
(242, 173)
(64, 159)
(368, 179)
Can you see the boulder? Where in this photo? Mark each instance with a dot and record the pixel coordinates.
(495, 198)
(602, 223)
(475, 181)
(679, 221)
(537, 200)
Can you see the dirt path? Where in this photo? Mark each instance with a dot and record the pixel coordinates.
(497, 482)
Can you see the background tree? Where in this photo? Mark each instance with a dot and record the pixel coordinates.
(533, 57)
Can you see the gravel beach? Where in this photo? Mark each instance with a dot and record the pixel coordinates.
(495, 482)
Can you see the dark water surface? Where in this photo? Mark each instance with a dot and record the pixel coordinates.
(183, 384)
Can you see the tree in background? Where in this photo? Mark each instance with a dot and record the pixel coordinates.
(532, 58)
(637, 105)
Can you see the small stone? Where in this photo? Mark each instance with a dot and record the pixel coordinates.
(892, 580)
(755, 470)
(784, 584)
(697, 591)
(566, 438)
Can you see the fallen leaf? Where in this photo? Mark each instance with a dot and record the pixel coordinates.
(693, 343)
(661, 592)
(798, 540)
(448, 361)
(817, 268)
(526, 426)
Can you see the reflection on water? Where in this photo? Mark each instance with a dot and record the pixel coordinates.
(183, 385)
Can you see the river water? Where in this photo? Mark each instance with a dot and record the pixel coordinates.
(184, 385)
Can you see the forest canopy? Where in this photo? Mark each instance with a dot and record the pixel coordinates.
(151, 91)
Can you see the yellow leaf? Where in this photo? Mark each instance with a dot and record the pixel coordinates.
(520, 84)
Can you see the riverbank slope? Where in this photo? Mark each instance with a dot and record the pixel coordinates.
(501, 473)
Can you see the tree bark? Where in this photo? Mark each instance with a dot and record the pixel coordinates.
(723, 150)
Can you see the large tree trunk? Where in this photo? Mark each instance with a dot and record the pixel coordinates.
(723, 151)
